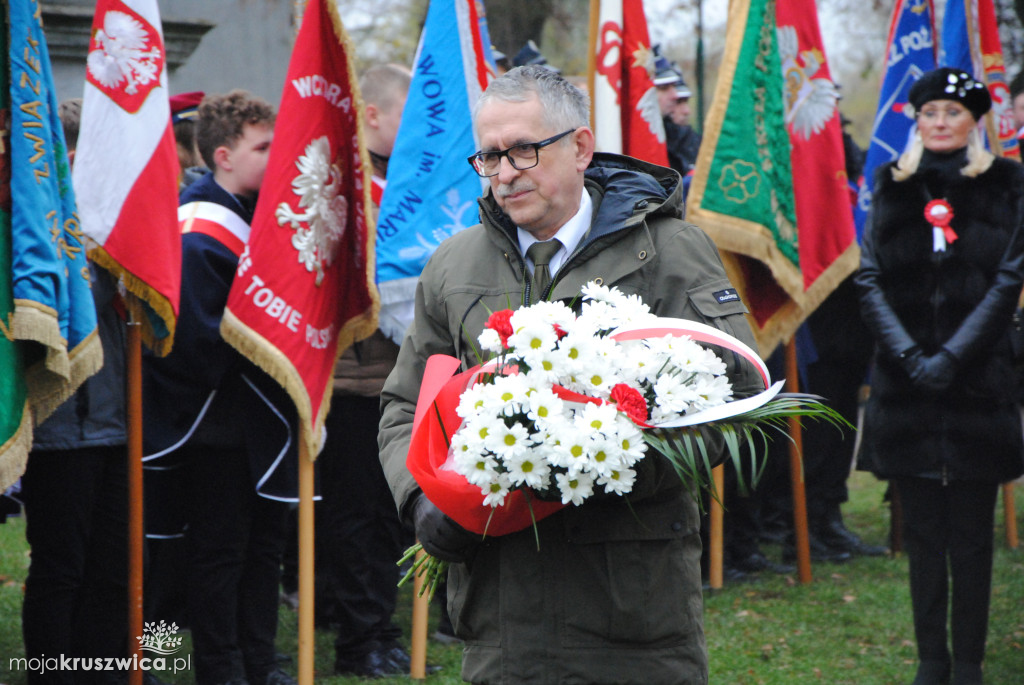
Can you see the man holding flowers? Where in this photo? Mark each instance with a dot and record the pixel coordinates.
(608, 591)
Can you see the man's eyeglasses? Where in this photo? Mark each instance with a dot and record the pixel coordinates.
(523, 156)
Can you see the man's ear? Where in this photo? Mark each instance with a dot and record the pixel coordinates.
(584, 138)
(372, 115)
(222, 157)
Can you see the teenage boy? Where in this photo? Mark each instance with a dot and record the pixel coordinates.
(223, 419)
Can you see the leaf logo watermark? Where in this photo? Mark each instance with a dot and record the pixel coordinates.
(160, 638)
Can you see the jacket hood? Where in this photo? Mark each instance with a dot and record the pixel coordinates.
(625, 190)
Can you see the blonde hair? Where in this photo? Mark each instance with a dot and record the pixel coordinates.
(978, 158)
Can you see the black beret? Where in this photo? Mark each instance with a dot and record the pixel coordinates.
(951, 84)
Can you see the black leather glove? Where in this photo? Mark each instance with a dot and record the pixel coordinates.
(440, 536)
(937, 371)
(913, 362)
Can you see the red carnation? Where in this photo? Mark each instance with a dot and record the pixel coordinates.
(500, 323)
(560, 332)
(630, 402)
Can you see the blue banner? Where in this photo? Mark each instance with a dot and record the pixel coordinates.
(431, 190)
(956, 47)
(910, 52)
(52, 297)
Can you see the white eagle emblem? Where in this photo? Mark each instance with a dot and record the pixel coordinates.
(647, 105)
(326, 212)
(810, 102)
(122, 54)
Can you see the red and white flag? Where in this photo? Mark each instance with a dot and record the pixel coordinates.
(125, 170)
(627, 118)
(304, 290)
(827, 238)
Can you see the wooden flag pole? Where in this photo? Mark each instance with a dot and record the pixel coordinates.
(716, 542)
(307, 633)
(133, 419)
(1010, 515)
(796, 473)
(420, 613)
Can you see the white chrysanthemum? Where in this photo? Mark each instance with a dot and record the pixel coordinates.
(596, 419)
(529, 469)
(479, 468)
(553, 313)
(630, 441)
(478, 427)
(604, 455)
(473, 400)
(619, 481)
(595, 291)
(600, 315)
(508, 442)
(575, 488)
(598, 377)
(509, 394)
(545, 408)
(532, 335)
(673, 394)
(577, 348)
(569, 448)
(496, 491)
(490, 341)
(711, 391)
(545, 364)
(638, 363)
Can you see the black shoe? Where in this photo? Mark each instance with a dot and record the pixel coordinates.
(375, 664)
(820, 552)
(932, 673)
(279, 677)
(833, 531)
(966, 674)
(731, 574)
(401, 659)
(757, 562)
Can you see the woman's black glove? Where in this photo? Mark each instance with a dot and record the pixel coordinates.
(440, 536)
(938, 372)
(934, 373)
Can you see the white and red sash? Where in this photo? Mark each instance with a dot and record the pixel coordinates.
(216, 221)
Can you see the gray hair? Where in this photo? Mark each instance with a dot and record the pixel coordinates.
(565, 106)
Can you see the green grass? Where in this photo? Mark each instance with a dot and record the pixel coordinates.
(850, 624)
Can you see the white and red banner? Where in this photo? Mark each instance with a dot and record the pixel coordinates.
(304, 290)
(125, 170)
(627, 118)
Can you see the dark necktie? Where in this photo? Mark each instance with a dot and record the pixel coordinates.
(541, 254)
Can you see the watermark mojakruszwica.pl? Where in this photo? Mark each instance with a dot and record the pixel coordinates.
(158, 638)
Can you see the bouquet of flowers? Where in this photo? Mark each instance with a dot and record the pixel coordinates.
(569, 404)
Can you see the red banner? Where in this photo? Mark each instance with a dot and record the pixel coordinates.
(627, 118)
(304, 290)
(824, 216)
(995, 78)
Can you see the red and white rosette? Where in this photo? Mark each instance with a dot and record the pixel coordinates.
(939, 214)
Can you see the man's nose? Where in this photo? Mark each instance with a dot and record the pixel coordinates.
(505, 169)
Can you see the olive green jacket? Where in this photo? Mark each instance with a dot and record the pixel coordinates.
(613, 593)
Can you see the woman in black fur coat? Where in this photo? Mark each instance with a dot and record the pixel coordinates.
(941, 271)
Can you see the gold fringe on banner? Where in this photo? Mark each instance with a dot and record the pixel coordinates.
(142, 292)
(14, 452)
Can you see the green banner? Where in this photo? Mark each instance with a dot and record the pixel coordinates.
(750, 177)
